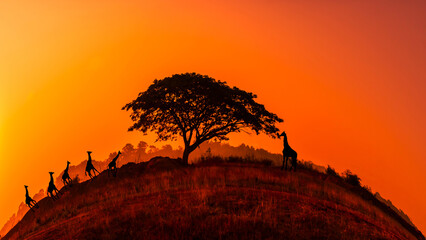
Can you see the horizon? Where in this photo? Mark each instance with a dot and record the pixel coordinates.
(347, 78)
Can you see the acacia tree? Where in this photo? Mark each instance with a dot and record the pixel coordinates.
(198, 108)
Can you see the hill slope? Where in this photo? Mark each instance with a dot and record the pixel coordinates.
(163, 199)
(144, 152)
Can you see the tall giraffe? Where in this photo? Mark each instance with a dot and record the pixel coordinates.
(52, 188)
(29, 201)
(90, 167)
(112, 166)
(66, 177)
(288, 152)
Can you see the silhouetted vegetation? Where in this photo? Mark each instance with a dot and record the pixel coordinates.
(198, 108)
(306, 165)
(248, 158)
(76, 179)
(330, 171)
(232, 199)
(352, 178)
(214, 160)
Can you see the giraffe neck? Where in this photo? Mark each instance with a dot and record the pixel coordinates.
(285, 140)
(51, 177)
(26, 192)
(68, 165)
(90, 158)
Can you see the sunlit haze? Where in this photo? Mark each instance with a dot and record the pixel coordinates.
(348, 78)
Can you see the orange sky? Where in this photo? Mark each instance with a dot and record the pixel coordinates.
(348, 79)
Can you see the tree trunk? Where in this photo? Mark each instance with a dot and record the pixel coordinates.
(185, 156)
(189, 149)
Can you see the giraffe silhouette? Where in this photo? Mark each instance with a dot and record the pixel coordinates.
(112, 166)
(51, 189)
(29, 201)
(90, 167)
(288, 152)
(66, 177)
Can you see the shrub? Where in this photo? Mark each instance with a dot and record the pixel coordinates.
(305, 164)
(76, 179)
(352, 178)
(266, 162)
(331, 172)
(368, 188)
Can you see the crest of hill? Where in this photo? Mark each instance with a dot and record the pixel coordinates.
(143, 152)
(107, 207)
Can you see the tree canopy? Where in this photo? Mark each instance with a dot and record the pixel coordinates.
(198, 108)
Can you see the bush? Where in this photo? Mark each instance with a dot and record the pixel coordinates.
(266, 162)
(233, 159)
(352, 178)
(368, 188)
(76, 179)
(304, 164)
(331, 172)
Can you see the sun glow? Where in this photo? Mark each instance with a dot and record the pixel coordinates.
(347, 79)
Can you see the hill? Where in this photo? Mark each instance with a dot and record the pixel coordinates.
(163, 198)
(144, 152)
(22, 210)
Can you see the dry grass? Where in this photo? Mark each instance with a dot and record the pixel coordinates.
(209, 201)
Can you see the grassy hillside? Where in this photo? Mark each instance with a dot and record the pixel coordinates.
(163, 199)
(143, 152)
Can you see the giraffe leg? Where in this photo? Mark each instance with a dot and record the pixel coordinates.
(51, 196)
(35, 204)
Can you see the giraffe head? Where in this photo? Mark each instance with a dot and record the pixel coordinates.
(25, 186)
(89, 152)
(282, 134)
(119, 152)
(68, 162)
(51, 173)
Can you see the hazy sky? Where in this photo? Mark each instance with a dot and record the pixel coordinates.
(348, 78)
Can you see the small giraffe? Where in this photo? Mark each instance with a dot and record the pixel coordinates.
(112, 166)
(66, 177)
(52, 188)
(29, 201)
(90, 167)
(288, 152)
